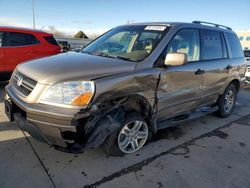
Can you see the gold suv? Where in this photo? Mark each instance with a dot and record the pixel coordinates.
(128, 84)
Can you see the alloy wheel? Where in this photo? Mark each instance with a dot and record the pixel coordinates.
(132, 136)
(229, 101)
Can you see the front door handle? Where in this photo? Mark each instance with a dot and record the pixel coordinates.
(199, 71)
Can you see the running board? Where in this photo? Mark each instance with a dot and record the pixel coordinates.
(186, 117)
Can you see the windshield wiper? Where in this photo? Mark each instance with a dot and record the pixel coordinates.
(100, 54)
(126, 58)
(110, 56)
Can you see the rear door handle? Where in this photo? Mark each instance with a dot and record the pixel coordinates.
(199, 71)
(229, 67)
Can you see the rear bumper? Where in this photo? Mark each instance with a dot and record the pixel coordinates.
(45, 123)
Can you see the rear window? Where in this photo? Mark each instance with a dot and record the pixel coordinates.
(211, 45)
(19, 39)
(51, 40)
(234, 45)
(248, 38)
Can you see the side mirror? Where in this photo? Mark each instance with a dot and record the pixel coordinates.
(175, 59)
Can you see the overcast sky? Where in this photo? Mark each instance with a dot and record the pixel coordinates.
(100, 15)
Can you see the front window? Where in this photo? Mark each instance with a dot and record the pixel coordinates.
(186, 41)
(133, 43)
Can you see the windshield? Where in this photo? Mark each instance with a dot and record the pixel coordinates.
(132, 43)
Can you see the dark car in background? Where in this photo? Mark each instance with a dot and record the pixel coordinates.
(64, 45)
(126, 85)
(18, 45)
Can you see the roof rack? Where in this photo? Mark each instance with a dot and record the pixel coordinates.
(212, 24)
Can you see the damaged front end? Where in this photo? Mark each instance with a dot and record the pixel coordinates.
(94, 126)
(116, 97)
(74, 130)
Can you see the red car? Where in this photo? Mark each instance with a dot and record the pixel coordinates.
(18, 45)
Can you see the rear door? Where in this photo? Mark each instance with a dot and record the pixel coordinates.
(215, 65)
(2, 57)
(19, 47)
(180, 86)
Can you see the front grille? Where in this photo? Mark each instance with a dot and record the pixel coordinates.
(22, 84)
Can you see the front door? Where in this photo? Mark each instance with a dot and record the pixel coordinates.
(180, 86)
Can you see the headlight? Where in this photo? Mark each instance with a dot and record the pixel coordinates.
(77, 93)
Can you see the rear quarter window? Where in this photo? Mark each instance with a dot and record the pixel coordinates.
(234, 45)
(1, 38)
(51, 40)
(19, 39)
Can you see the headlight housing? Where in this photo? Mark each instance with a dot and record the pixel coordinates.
(78, 93)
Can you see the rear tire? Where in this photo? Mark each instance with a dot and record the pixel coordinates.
(128, 135)
(227, 101)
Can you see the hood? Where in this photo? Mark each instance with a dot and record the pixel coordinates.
(73, 66)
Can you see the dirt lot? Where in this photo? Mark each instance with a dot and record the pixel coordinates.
(207, 152)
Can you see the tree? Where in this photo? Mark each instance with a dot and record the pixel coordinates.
(81, 34)
(51, 29)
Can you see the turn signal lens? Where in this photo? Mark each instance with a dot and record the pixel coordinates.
(83, 99)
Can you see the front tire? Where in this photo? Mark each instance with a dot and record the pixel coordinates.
(227, 101)
(132, 136)
(65, 50)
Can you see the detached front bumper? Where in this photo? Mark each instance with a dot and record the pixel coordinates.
(53, 125)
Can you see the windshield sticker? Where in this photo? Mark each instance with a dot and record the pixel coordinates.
(155, 28)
